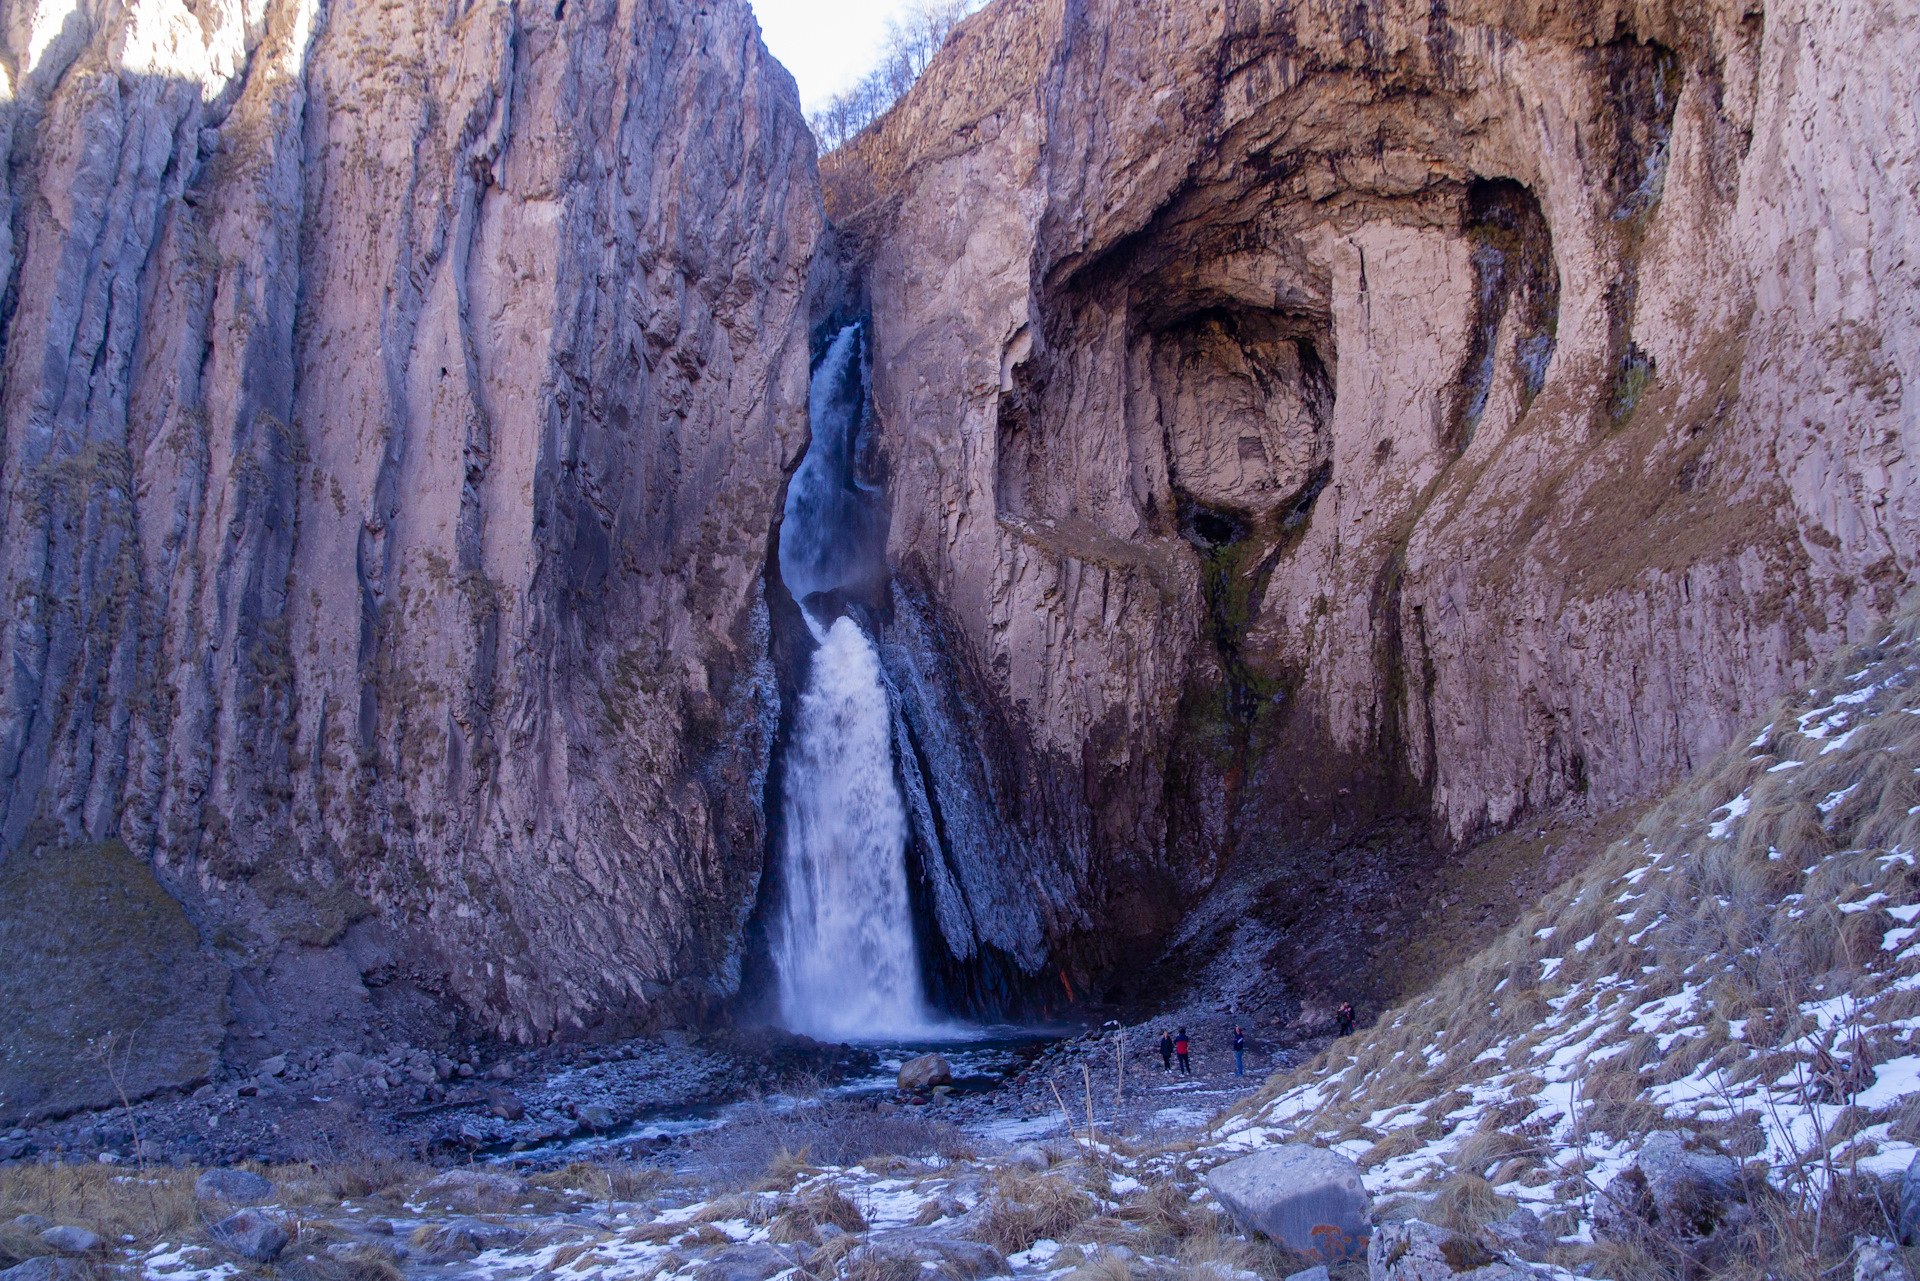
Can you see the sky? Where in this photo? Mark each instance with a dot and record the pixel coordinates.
(826, 44)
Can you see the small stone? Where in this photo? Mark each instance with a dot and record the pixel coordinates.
(273, 1066)
(1029, 1156)
(1520, 1233)
(71, 1240)
(924, 1073)
(234, 1187)
(500, 1072)
(1416, 1251)
(1877, 1260)
(251, 1235)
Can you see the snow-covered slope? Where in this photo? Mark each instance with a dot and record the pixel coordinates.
(1746, 965)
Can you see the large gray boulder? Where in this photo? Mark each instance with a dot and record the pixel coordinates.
(71, 1240)
(95, 946)
(234, 1187)
(251, 1235)
(1910, 1203)
(924, 1073)
(1304, 1197)
(749, 1261)
(1414, 1251)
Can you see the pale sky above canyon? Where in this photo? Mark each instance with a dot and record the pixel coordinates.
(826, 44)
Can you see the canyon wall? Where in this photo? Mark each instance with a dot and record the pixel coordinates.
(1305, 413)
(397, 402)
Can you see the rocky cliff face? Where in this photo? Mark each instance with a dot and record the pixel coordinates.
(396, 404)
(1299, 414)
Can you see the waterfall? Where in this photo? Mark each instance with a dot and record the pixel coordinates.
(843, 944)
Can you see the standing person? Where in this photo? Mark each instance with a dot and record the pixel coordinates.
(1239, 1051)
(1166, 1053)
(1346, 1018)
(1180, 1048)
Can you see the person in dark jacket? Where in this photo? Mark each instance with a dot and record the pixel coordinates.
(1239, 1051)
(1180, 1048)
(1346, 1018)
(1166, 1052)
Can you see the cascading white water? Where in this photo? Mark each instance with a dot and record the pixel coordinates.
(843, 946)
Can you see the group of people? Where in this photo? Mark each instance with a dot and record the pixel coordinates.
(1177, 1046)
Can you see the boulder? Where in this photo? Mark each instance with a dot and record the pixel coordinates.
(1307, 1198)
(951, 1258)
(251, 1235)
(595, 1117)
(1411, 1250)
(1877, 1260)
(45, 1268)
(234, 1187)
(749, 1261)
(464, 1238)
(1910, 1203)
(925, 1072)
(1029, 1156)
(71, 1240)
(505, 1104)
(475, 1191)
(1318, 1272)
(1519, 1233)
(1683, 1191)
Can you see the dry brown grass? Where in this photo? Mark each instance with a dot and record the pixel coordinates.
(1024, 1208)
(604, 1180)
(1467, 1203)
(1213, 1245)
(146, 1205)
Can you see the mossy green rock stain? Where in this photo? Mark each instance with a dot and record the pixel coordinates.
(106, 987)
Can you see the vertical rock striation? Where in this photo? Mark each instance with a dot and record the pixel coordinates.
(1299, 414)
(396, 403)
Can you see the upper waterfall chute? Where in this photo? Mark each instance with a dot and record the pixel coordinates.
(828, 532)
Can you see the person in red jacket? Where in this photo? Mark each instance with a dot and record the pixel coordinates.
(1180, 1048)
